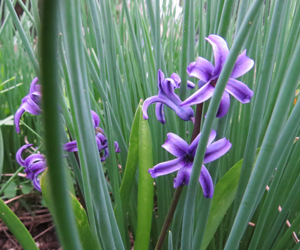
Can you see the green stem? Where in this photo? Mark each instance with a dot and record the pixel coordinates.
(178, 191)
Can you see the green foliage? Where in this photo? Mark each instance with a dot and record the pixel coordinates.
(106, 59)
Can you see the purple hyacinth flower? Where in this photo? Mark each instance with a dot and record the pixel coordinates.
(185, 157)
(30, 103)
(167, 96)
(209, 74)
(34, 165)
(101, 140)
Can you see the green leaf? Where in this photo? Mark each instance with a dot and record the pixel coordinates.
(224, 195)
(16, 227)
(145, 187)
(1, 153)
(132, 161)
(86, 238)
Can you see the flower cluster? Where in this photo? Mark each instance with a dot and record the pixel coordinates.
(35, 164)
(101, 140)
(208, 75)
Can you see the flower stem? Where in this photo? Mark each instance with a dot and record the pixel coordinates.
(178, 191)
(169, 218)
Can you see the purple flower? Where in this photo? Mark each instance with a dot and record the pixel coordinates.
(185, 157)
(34, 165)
(101, 140)
(209, 74)
(167, 96)
(30, 103)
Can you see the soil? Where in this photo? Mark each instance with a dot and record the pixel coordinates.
(38, 221)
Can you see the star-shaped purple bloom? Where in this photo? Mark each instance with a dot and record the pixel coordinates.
(209, 74)
(30, 103)
(185, 157)
(101, 140)
(34, 165)
(167, 96)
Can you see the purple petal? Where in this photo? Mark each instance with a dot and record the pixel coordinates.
(33, 86)
(17, 118)
(183, 176)
(37, 166)
(239, 90)
(160, 77)
(117, 149)
(201, 95)
(159, 111)
(221, 52)
(201, 69)
(184, 113)
(166, 167)
(224, 105)
(19, 154)
(242, 66)
(176, 79)
(192, 148)
(166, 90)
(71, 146)
(36, 180)
(190, 85)
(33, 158)
(96, 119)
(206, 183)
(216, 150)
(175, 145)
(31, 107)
(105, 155)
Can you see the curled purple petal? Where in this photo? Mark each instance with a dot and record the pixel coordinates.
(239, 90)
(183, 113)
(242, 66)
(96, 119)
(216, 150)
(31, 106)
(19, 154)
(166, 167)
(221, 52)
(201, 95)
(201, 69)
(166, 90)
(183, 176)
(224, 105)
(117, 149)
(175, 145)
(34, 158)
(17, 118)
(176, 79)
(71, 146)
(190, 85)
(206, 183)
(34, 87)
(159, 111)
(105, 155)
(160, 77)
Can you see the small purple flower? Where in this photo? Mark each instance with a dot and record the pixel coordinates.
(101, 140)
(185, 157)
(167, 96)
(34, 165)
(30, 103)
(209, 74)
